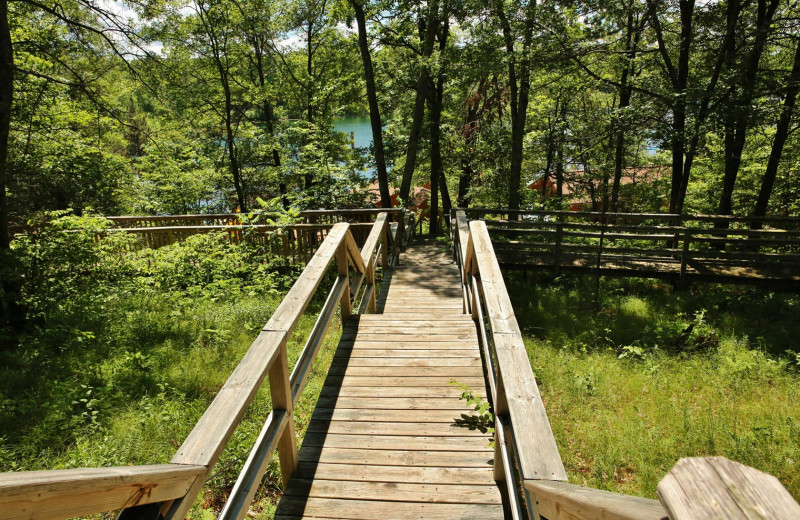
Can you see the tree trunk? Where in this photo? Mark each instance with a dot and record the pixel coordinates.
(419, 104)
(631, 44)
(374, 111)
(6, 99)
(434, 116)
(519, 83)
(781, 134)
(738, 114)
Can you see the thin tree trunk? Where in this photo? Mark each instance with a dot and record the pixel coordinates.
(434, 115)
(6, 100)
(631, 44)
(374, 111)
(418, 115)
(781, 134)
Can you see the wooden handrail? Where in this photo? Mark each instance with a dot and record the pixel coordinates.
(691, 490)
(173, 487)
(65, 493)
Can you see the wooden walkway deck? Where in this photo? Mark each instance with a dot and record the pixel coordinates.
(388, 438)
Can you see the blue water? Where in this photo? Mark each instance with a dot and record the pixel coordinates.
(362, 133)
(359, 126)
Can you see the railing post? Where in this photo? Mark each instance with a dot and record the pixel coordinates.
(343, 269)
(557, 246)
(687, 238)
(386, 241)
(281, 394)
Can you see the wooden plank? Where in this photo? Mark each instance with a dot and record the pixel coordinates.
(352, 362)
(384, 510)
(453, 328)
(403, 458)
(399, 371)
(349, 380)
(411, 474)
(453, 429)
(411, 353)
(408, 344)
(705, 488)
(535, 445)
(429, 416)
(450, 391)
(563, 501)
(394, 491)
(66, 493)
(409, 338)
(392, 403)
(406, 442)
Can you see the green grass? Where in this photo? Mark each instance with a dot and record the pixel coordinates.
(645, 376)
(124, 352)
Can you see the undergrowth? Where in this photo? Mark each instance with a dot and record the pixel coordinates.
(124, 349)
(645, 375)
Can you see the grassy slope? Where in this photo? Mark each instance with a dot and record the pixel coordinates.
(646, 377)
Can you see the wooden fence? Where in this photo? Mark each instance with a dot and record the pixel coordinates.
(527, 459)
(680, 248)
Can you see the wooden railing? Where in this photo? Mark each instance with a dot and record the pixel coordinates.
(681, 248)
(527, 459)
(170, 489)
(321, 216)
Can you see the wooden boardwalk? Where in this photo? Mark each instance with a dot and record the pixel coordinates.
(390, 437)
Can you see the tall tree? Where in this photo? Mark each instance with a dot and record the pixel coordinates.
(374, 110)
(779, 141)
(516, 23)
(428, 26)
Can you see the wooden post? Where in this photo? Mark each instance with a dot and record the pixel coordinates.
(343, 269)
(385, 246)
(557, 247)
(281, 394)
(687, 238)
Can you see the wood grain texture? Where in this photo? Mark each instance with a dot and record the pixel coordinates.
(705, 488)
(44, 495)
(562, 501)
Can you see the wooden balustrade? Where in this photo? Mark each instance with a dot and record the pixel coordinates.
(526, 449)
(172, 488)
(327, 216)
(649, 245)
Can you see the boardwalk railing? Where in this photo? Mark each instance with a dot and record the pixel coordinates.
(526, 455)
(170, 489)
(681, 248)
(320, 216)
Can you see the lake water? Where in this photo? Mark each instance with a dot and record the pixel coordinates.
(359, 126)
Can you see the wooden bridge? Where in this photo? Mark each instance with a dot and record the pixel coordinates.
(390, 437)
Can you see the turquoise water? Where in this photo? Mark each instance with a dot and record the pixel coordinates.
(362, 133)
(359, 126)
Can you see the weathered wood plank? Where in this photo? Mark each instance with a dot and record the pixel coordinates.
(427, 416)
(410, 353)
(395, 491)
(348, 380)
(389, 442)
(463, 428)
(409, 474)
(433, 362)
(393, 403)
(384, 510)
(56, 494)
(399, 371)
(450, 391)
(396, 457)
(705, 488)
(563, 501)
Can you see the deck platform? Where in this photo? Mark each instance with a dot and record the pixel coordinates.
(390, 437)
